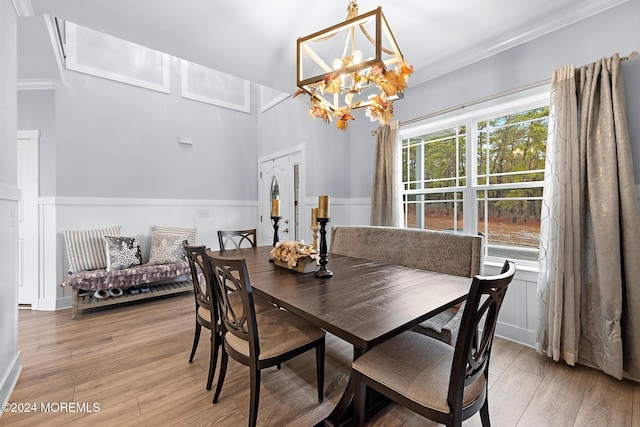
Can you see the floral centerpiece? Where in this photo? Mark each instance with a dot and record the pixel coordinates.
(295, 255)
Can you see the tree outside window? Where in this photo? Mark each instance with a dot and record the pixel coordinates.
(501, 191)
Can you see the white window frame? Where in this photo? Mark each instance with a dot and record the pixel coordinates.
(128, 52)
(470, 116)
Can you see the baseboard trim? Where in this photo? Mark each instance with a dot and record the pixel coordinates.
(515, 334)
(49, 304)
(62, 303)
(10, 379)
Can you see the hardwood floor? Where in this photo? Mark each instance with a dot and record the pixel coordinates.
(132, 362)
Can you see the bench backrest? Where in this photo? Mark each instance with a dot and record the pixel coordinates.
(439, 251)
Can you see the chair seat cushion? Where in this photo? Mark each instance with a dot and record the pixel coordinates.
(204, 313)
(417, 367)
(279, 332)
(444, 326)
(439, 321)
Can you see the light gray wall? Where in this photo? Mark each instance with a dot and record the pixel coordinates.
(615, 30)
(8, 112)
(9, 356)
(36, 111)
(327, 149)
(116, 140)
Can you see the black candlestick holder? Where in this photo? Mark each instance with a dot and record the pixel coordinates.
(275, 220)
(323, 271)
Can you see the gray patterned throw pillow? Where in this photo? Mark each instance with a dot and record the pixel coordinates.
(166, 244)
(122, 252)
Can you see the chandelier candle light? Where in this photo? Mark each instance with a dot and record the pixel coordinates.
(323, 219)
(353, 71)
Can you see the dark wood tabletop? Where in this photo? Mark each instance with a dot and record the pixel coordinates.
(364, 303)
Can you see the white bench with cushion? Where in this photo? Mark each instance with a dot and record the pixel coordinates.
(442, 252)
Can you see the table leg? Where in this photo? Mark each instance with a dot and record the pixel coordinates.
(343, 412)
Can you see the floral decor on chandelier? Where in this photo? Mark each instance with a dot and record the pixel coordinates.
(353, 64)
(379, 108)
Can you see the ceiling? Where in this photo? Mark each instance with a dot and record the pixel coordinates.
(255, 40)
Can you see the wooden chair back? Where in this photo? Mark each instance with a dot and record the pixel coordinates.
(206, 309)
(202, 289)
(230, 281)
(286, 336)
(237, 237)
(478, 325)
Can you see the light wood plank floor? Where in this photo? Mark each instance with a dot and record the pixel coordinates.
(133, 362)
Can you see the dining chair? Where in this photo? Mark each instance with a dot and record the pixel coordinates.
(237, 237)
(258, 339)
(206, 309)
(206, 314)
(443, 383)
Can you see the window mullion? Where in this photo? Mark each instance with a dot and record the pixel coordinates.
(420, 184)
(470, 206)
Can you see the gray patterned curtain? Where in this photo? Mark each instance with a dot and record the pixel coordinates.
(386, 201)
(589, 282)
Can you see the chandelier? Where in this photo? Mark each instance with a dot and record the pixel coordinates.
(354, 64)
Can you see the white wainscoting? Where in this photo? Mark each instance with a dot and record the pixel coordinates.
(10, 365)
(517, 317)
(136, 216)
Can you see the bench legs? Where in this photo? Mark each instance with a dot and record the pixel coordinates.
(75, 303)
(83, 300)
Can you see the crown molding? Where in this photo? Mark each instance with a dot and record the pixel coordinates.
(553, 23)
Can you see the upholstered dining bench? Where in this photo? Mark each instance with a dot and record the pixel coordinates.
(439, 251)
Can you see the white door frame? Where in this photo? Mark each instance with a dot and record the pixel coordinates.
(28, 179)
(264, 205)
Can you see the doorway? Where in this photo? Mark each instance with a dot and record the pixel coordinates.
(280, 177)
(28, 180)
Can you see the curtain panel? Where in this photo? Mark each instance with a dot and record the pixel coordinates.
(589, 281)
(386, 200)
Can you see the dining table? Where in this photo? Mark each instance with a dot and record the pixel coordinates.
(364, 303)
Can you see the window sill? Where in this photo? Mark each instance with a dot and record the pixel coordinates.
(525, 270)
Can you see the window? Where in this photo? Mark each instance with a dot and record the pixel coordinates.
(481, 172)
